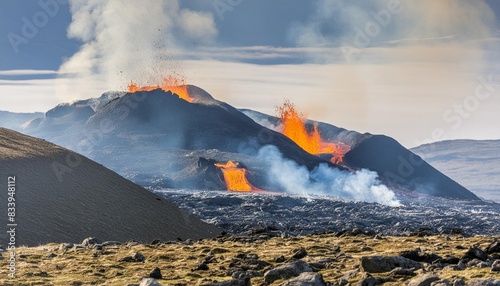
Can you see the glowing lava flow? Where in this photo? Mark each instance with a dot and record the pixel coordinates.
(235, 177)
(294, 128)
(170, 83)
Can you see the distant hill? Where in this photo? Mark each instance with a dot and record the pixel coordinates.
(473, 163)
(15, 121)
(62, 196)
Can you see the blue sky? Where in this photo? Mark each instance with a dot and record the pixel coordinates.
(409, 76)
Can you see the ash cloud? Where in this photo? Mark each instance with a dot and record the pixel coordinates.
(363, 185)
(124, 40)
(336, 23)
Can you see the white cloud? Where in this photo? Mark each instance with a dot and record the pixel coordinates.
(27, 72)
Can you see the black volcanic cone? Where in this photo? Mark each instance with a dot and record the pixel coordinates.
(399, 166)
(62, 196)
(168, 121)
(396, 165)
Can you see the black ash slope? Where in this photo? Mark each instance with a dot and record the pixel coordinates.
(81, 198)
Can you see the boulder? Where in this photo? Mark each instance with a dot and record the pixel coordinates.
(496, 266)
(369, 280)
(494, 247)
(423, 280)
(287, 271)
(300, 253)
(90, 242)
(156, 273)
(484, 282)
(306, 279)
(379, 264)
(402, 272)
(149, 282)
(138, 257)
(475, 252)
(235, 282)
(420, 256)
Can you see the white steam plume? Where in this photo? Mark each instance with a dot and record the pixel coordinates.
(129, 40)
(363, 185)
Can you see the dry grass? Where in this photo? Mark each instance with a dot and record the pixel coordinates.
(78, 266)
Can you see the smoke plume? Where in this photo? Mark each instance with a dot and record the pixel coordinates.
(127, 40)
(363, 185)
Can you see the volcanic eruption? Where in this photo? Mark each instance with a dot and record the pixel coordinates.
(294, 127)
(170, 83)
(235, 177)
(165, 136)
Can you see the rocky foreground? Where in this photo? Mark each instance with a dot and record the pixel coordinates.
(345, 258)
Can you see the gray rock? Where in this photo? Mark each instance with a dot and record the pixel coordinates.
(379, 264)
(423, 280)
(460, 266)
(64, 246)
(149, 282)
(138, 257)
(458, 282)
(234, 282)
(126, 259)
(496, 266)
(50, 255)
(484, 282)
(1, 256)
(156, 273)
(287, 271)
(202, 267)
(494, 247)
(443, 282)
(89, 242)
(402, 272)
(369, 280)
(300, 253)
(240, 275)
(478, 263)
(475, 252)
(306, 279)
(350, 274)
(280, 259)
(106, 243)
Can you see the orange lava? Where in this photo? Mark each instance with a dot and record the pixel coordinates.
(294, 127)
(235, 177)
(170, 83)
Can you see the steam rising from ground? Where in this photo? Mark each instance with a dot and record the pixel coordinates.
(363, 185)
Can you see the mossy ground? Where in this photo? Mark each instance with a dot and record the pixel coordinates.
(48, 265)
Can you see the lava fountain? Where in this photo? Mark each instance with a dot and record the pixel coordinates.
(170, 83)
(235, 177)
(294, 127)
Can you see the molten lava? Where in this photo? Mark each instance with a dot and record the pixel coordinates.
(294, 127)
(170, 83)
(235, 177)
